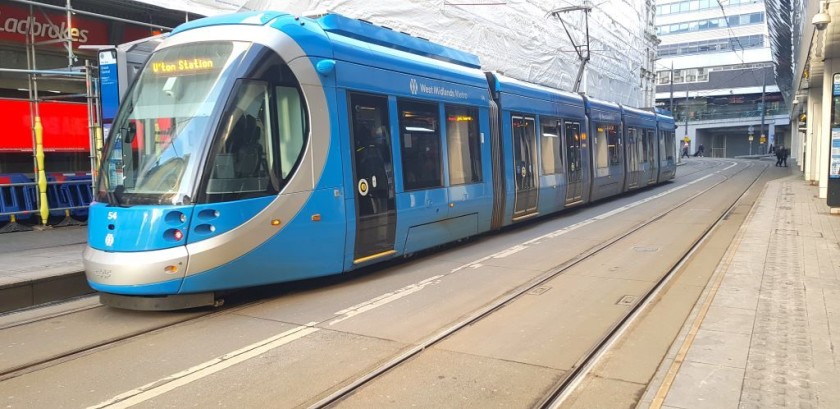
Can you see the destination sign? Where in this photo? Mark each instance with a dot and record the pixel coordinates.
(183, 66)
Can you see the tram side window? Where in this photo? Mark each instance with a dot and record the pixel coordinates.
(634, 149)
(649, 150)
(669, 146)
(640, 146)
(463, 144)
(420, 145)
(607, 147)
(642, 142)
(573, 146)
(552, 158)
(614, 142)
(291, 127)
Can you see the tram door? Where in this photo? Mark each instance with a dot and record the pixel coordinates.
(650, 155)
(376, 212)
(634, 157)
(524, 156)
(574, 165)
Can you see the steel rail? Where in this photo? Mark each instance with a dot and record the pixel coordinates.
(565, 386)
(511, 296)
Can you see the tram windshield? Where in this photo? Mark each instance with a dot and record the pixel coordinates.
(152, 155)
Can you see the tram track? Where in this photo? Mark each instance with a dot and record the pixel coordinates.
(396, 360)
(560, 390)
(92, 347)
(566, 385)
(82, 350)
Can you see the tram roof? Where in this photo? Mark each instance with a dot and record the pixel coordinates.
(517, 87)
(357, 29)
(384, 36)
(638, 116)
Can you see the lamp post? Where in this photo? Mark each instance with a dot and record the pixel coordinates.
(750, 131)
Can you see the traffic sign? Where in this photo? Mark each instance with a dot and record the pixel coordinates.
(750, 138)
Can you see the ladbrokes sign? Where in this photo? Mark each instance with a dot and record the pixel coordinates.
(16, 24)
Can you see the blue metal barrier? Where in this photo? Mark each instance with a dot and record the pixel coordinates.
(68, 196)
(13, 199)
(78, 192)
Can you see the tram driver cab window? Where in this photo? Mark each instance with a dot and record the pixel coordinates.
(262, 133)
(243, 163)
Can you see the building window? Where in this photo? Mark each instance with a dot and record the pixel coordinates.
(695, 5)
(711, 24)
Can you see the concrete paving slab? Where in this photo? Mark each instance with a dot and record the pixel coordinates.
(736, 298)
(720, 348)
(702, 386)
(727, 319)
(589, 307)
(607, 393)
(458, 381)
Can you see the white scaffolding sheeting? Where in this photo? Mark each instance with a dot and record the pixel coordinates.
(515, 37)
(203, 7)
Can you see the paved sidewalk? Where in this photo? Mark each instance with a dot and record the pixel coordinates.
(41, 266)
(762, 335)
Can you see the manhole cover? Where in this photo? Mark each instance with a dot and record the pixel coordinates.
(627, 300)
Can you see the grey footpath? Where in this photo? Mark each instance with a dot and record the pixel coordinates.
(37, 267)
(766, 338)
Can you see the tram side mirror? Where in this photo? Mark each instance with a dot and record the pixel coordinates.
(130, 133)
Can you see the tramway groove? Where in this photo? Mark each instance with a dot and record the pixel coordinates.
(523, 289)
(570, 379)
(402, 357)
(23, 369)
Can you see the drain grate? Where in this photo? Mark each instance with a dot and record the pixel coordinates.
(539, 290)
(627, 300)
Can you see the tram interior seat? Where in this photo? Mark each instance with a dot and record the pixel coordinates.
(242, 166)
(249, 155)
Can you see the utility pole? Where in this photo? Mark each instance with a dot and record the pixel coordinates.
(672, 88)
(685, 113)
(763, 110)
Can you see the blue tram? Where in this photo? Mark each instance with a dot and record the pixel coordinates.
(259, 148)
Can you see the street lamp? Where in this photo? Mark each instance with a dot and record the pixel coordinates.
(750, 131)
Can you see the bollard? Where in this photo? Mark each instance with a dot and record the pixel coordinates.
(42, 177)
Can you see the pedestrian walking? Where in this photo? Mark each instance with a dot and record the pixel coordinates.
(779, 153)
(785, 153)
(685, 150)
